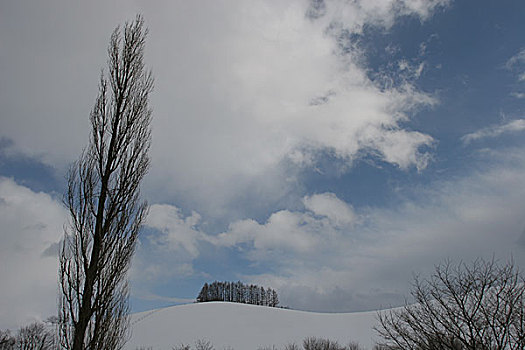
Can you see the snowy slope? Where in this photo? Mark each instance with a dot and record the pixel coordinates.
(245, 327)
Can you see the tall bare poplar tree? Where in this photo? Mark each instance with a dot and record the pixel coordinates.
(106, 212)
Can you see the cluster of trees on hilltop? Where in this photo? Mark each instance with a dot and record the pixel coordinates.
(238, 292)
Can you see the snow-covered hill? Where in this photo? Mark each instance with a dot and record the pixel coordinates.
(245, 327)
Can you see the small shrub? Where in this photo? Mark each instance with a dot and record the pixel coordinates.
(382, 347)
(291, 346)
(354, 346)
(182, 347)
(313, 343)
(7, 341)
(202, 344)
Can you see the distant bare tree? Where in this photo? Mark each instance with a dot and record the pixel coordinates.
(182, 347)
(476, 306)
(103, 200)
(7, 341)
(381, 347)
(35, 337)
(313, 343)
(291, 346)
(202, 344)
(353, 346)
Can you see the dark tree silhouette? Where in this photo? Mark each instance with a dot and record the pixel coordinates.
(477, 306)
(7, 341)
(106, 213)
(35, 337)
(313, 343)
(238, 292)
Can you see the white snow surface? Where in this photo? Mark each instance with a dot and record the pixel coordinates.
(244, 327)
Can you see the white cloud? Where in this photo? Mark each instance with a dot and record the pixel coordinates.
(424, 8)
(167, 249)
(495, 131)
(234, 86)
(517, 64)
(381, 12)
(291, 232)
(284, 231)
(177, 232)
(327, 204)
(30, 228)
(411, 70)
(515, 60)
(299, 232)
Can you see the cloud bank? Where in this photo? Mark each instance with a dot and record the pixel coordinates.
(30, 229)
(246, 96)
(273, 83)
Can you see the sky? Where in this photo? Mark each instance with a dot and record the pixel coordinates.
(330, 150)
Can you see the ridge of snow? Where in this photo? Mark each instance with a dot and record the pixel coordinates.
(244, 327)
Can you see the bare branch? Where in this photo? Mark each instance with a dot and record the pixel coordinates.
(477, 306)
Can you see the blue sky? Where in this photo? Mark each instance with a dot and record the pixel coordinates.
(328, 149)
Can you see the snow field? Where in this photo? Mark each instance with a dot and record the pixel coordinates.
(245, 327)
